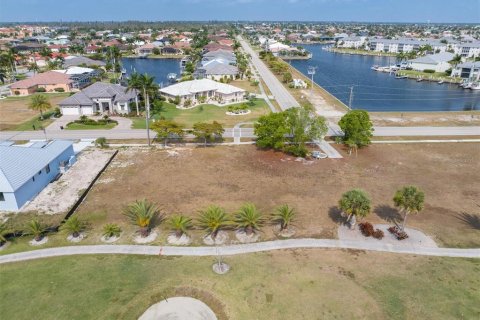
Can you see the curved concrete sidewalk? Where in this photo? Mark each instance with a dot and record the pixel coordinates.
(237, 249)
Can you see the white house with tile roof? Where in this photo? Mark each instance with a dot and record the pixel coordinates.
(99, 97)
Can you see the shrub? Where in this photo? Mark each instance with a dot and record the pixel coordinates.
(296, 150)
(57, 113)
(400, 234)
(40, 90)
(378, 234)
(367, 229)
(101, 142)
(429, 71)
(111, 230)
(16, 92)
(59, 90)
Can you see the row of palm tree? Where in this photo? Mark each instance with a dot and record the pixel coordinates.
(145, 85)
(213, 219)
(356, 202)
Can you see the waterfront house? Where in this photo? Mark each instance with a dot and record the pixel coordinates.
(99, 97)
(216, 70)
(467, 70)
(467, 49)
(80, 75)
(49, 81)
(146, 49)
(171, 50)
(438, 62)
(211, 90)
(27, 169)
(404, 45)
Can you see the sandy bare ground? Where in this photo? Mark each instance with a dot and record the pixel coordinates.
(60, 195)
(179, 308)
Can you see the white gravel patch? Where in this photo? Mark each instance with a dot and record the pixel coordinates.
(184, 240)
(221, 238)
(33, 242)
(244, 238)
(179, 308)
(142, 240)
(110, 239)
(73, 239)
(286, 233)
(59, 196)
(415, 238)
(220, 268)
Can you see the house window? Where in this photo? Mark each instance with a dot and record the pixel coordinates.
(33, 178)
(47, 169)
(2, 196)
(40, 172)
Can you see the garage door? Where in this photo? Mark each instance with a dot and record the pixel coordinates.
(87, 110)
(70, 111)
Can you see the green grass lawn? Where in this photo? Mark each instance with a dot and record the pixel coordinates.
(79, 126)
(204, 112)
(425, 75)
(293, 284)
(35, 121)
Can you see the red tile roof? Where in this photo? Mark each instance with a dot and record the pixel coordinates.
(49, 77)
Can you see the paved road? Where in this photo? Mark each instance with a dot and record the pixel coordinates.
(238, 249)
(281, 94)
(229, 132)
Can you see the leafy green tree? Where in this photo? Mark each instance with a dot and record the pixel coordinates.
(3, 232)
(33, 67)
(167, 128)
(287, 77)
(271, 131)
(284, 216)
(143, 214)
(73, 226)
(36, 229)
(249, 218)
(208, 131)
(409, 199)
(357, 128)
(212, 220)
(111, 230)
(134, 85)
(40, 103)
(101, 142)
(356, 203)
(180, 225)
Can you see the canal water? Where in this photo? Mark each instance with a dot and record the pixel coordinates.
(378, 91)
(159, 68)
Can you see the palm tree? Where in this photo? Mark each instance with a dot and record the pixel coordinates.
(143, 214)
(409, 199)
(40, 103)
(212, 220)
(149, 87)
(284, 216)
(73, 226)
(134, 85)
(36, 229)
(456, 60)
(111, 230)
(3, 232)
(355, 203)
(180, 225)
(33, 67)
(249, 218)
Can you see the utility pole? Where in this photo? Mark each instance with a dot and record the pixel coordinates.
(350, 100)
(311, 71)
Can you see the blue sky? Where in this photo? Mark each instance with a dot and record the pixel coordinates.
(467, 11)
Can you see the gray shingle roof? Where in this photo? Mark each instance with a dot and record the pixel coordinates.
(19, 164)
(76, 61)
(99, 90)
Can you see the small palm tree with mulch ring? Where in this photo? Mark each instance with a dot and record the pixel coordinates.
(180, 225)
(111, 230)
(73, 226)
(249, 219)
(36, 229)
(143, 214)
(213, 220)
(283, 218)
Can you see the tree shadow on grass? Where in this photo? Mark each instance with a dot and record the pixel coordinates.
(388, 213)
(336, 215)
(470, 219)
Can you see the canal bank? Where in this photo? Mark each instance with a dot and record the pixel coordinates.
(342, 75)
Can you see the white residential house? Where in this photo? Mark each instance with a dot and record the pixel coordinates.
(468, 49)
(438, 62)
(467, 70)
(99, 97)
(352, 42)
(211, 90)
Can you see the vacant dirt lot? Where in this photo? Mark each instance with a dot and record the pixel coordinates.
(14, 110)
(186, 180)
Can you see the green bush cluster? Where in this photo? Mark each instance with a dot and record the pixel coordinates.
(238, 108)
(87, 121)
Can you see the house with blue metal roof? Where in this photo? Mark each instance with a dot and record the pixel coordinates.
(25, 170)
